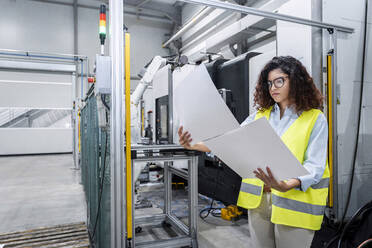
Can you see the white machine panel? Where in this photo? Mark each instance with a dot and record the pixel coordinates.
(160, 82)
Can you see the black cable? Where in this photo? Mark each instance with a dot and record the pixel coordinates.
(103, 98)
(333, 239)
(101, 192)
(366, 244)
(359, 114)
(211, 209)
(360, 211)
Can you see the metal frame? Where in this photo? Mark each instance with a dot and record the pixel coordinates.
(188, 233)
(118, 214)
(42, 55)
(22, 65)
(267, 14)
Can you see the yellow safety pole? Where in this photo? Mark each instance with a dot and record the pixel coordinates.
(330, 127)
(143, 120)
(79, 132)
(128, 138)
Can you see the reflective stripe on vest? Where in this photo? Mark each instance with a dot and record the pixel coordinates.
(323, 183)
(298, 206)
(294, 207)
(251, 189)
(250, 193)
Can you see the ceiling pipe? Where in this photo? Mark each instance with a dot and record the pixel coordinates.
(142, 3)
(269, 15)
(205, 34)
(201, 14)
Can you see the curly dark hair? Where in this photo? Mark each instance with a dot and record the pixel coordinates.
(302, 92)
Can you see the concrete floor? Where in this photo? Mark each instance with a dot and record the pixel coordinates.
(39, 191)
(213, 232)
(217, 233)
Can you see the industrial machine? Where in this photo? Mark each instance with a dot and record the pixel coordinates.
(231, 78)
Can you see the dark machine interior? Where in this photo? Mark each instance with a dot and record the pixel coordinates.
(162, 123)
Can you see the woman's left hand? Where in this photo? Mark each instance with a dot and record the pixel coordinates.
(271, 182)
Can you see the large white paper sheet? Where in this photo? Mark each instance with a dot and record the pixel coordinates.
(199, 107)
(256, 145)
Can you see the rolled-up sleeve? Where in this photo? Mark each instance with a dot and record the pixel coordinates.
(316, 154)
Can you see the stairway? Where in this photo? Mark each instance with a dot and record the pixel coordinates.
(26, 118)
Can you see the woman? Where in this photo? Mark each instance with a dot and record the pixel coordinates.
(286, 213)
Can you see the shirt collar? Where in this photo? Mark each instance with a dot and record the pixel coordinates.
(288, 111)
(276, 107)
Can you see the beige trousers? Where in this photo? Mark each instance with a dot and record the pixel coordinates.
(268, 235)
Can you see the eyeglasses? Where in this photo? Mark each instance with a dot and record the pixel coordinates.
(278, 82)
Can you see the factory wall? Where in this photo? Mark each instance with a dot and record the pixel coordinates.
(147, 38)
(35, 26)
(45, 27)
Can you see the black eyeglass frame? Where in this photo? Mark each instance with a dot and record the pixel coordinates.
(275, 82)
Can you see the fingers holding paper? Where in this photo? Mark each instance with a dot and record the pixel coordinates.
(184, 138)
(185, 141)
(269, 180)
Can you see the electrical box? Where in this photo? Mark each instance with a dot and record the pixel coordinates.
(103, 74)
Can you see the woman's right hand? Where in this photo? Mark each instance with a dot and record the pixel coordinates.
(185, 138)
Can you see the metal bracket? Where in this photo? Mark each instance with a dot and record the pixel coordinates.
(330, 30)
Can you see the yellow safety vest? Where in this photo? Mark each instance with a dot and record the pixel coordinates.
(294, 207)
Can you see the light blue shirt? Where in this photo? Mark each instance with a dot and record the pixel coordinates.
(316, 152)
